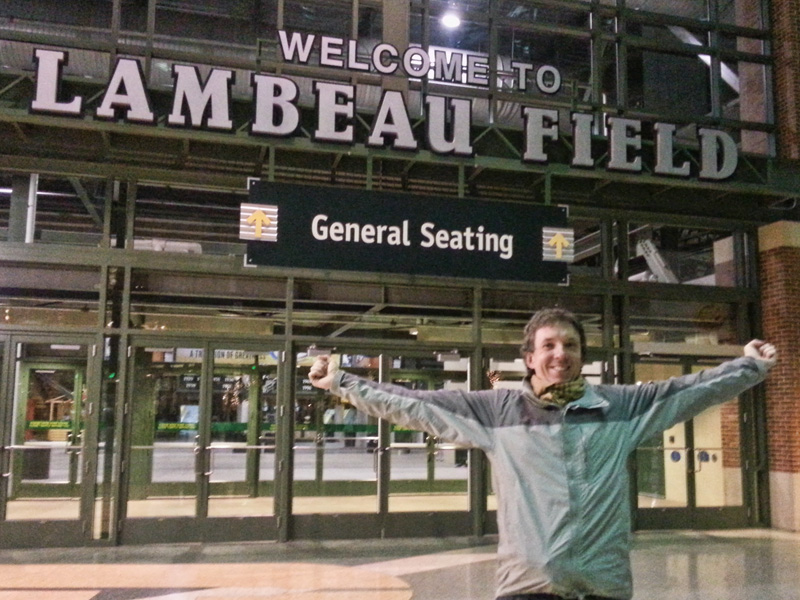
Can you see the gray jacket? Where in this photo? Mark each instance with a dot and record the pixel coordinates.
(559, 474)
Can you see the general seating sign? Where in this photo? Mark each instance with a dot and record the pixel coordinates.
(358, 230)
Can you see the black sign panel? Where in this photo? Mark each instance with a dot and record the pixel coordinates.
(358, 230)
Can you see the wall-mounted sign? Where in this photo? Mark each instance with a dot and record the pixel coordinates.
(357, 230)
(205, 102)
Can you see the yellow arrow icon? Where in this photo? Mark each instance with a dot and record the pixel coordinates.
(259, 219)
(560, 242)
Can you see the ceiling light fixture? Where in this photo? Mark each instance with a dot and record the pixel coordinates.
(450, 20)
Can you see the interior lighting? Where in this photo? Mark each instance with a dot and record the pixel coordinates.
(450, 20)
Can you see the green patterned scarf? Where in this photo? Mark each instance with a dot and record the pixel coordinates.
(561, 394)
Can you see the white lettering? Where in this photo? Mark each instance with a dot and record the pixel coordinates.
(447, 69)
(48, 81)
(330, 112)
(620, 141)
(477, 70)
(126, 90)
(522, 74)
(719, 157)
(478, 240)
(188, 92)
(392, 120)
(539, 124)
(330, 54)
(665, 138)
(366, 233)
(416, 62)
(352, 57)
(459, 142)
(275, 111)
(298, 45)
(582, 140)
(387, 68)
(548, 79)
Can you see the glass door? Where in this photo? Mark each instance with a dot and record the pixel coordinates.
(690, 475)
(202, 439)
(51, 451)
(335, 453)
(350, 465)
(428, 474)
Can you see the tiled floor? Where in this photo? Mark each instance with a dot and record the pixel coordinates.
(729, 565)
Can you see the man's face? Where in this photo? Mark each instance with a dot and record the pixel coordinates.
(556, 356)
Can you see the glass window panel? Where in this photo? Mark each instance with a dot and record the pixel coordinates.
(334, 444)
(588, 261)
(669, 83)
(66, 211)
(62, 296)
(756, 142)
(541, 14)
(87, 13)
(662, 460)
(168, 301)
(333, 311)
(683, 327)
(505, 314)
(187, 221)
(685, 255)
(692, 9)
(469, 34)
(165, 406)
(46, 454)
(234, 21)
(133, 16)
(571, 55)
(331, 17)
(718, 465)
(370, 24)
(670, 35)
(744, 91)
(741, 13)
(426, 473)
(241, 452)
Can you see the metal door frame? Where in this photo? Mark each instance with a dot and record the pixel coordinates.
(54, 532)
(692, 516)
(199, 527)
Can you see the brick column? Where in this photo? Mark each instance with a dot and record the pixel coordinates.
(779, 247)
(786, 47)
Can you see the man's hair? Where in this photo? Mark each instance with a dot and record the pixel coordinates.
(547, 317)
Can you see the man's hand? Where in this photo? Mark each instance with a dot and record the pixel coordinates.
(763, 351)
(322, 372)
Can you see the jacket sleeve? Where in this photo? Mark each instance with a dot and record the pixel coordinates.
(453, 415)
(653, 407)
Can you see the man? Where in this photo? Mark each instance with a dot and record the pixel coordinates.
(559, 449)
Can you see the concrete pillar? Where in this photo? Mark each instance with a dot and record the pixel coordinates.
(779, 248)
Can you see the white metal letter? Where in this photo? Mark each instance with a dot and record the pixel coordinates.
(48, 79)
(329, 108)
(620, 141)
(719, 155)
(392, 120)
(126, 90)
(665, 145)
(539, 124)
(275, 111)
(189, 93)
(461, 123)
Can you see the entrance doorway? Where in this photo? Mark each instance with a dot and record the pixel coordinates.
(50, 448)
(691, 475)
(347, 463)
(201, 441)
